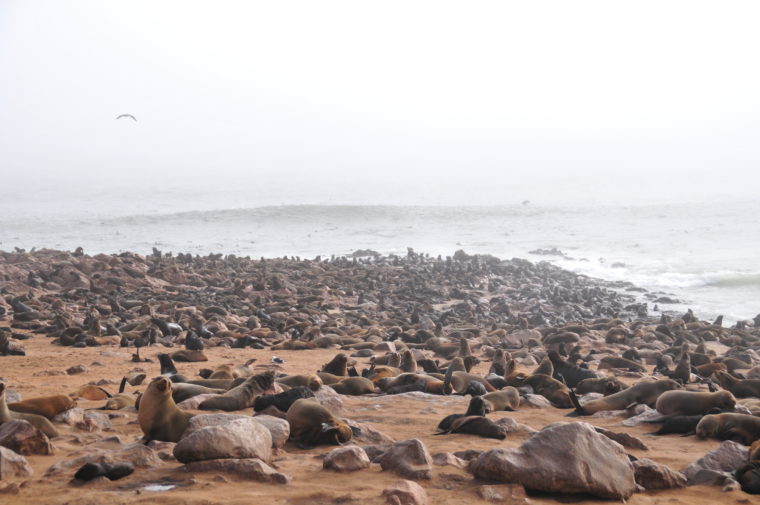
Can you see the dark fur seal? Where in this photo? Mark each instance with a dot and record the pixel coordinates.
(476, 407)
(571, 374)
(242, 396)
(337, 365)
(740, 388)
(158, 415)
(477, 425)
(283, 400)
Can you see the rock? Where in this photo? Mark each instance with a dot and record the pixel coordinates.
(375, 452)
(70, 417)
(643, 414)
(408, 458)
(651, 475)
(12, 396)
(330, 399)
(13, 465)
(346, 459)
(249, 468)
(623, 439)
(534, 401)
(468, 454)
(369, 435)
(193, 402)
(405, 492)
(513, 426)
(139, 455)
(21, 437)
(446, 458)
(511, 494)
(590, 463)
(278, 428)
(92, 421)
(241, 438)
(75, 370)
(717, 465)
(165, 450)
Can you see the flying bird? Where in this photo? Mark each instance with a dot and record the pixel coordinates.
(126, 115)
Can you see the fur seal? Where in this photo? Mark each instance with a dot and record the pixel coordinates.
(158, 415)
(741, 428)
(692, 403)
(477, 425)
(684, 425)
(181, 391)
(354, 386)
(550, 388)
(749, 475)
(282, 401)
(571, 374)
(602, 385)
(113, 471)
(45, 406)
(121, 400)
(242, 396)
(311, 381)
(505, 399)
(741, 388)
(337, 366)
(189, 356)
(312, 424)
(39, 422)
(476, 407)
(645, 392)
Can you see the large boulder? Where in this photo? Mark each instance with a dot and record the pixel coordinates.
(563, 458)
(346, 459)
(408, 458)
(241, 438)
(718, 465)
(279, 429)
(13, 465)
(20, 436)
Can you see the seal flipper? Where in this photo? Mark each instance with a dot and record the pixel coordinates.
(579, 410)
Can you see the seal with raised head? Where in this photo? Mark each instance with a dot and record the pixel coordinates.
(646, 392)
(692, 403)
(242, 396)
(337, 366)
(158, 415)
(741, 428)
(312, 424)
(740, 388)
(39, 422)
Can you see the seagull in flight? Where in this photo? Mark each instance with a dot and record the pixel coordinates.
(126, 115)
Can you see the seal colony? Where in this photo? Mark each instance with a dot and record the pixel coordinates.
(465, 353)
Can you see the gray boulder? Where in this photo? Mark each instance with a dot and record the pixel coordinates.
(13, 465)
(562, 458)
(250, 468)
(241, 438)
(21, 437)
(405, 492)
(346, 459)
(651, 475)
(408, 458)
(718, 465)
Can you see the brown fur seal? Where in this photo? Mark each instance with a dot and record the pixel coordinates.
(545, 367)
(645, 392)
(692, 403)
(548, 387)
(188, 356)
(39, 422)
(45, 406)
(505, 399)
(337, 366)
(311, 381)
(460, 381)
(354, 386)
(408, 363)
(329, 379)
(158, 415)
(312, 424)
(242, 396)
(741, 428)
(222, 372)
(121, 400)
(741, 388)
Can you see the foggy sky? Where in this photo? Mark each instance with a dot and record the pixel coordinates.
(477, 101)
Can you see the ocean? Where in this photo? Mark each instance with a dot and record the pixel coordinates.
(703, 254)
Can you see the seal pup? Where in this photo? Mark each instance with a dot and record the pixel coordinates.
(121, 400)
(311, 424)
(354, 386)
(505, 399)
(159, 417)
(741, 428)
(39, 422)
(242, 396)
(692, 403)
(645, 392)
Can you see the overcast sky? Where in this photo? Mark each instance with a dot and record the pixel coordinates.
(659, 98)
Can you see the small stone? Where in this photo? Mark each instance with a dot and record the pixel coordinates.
(346, 459)
(405, 492)
(651, 475)
(408, 458)
(77, 369)
(511, 494)
(71, 417)
(446, 458)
